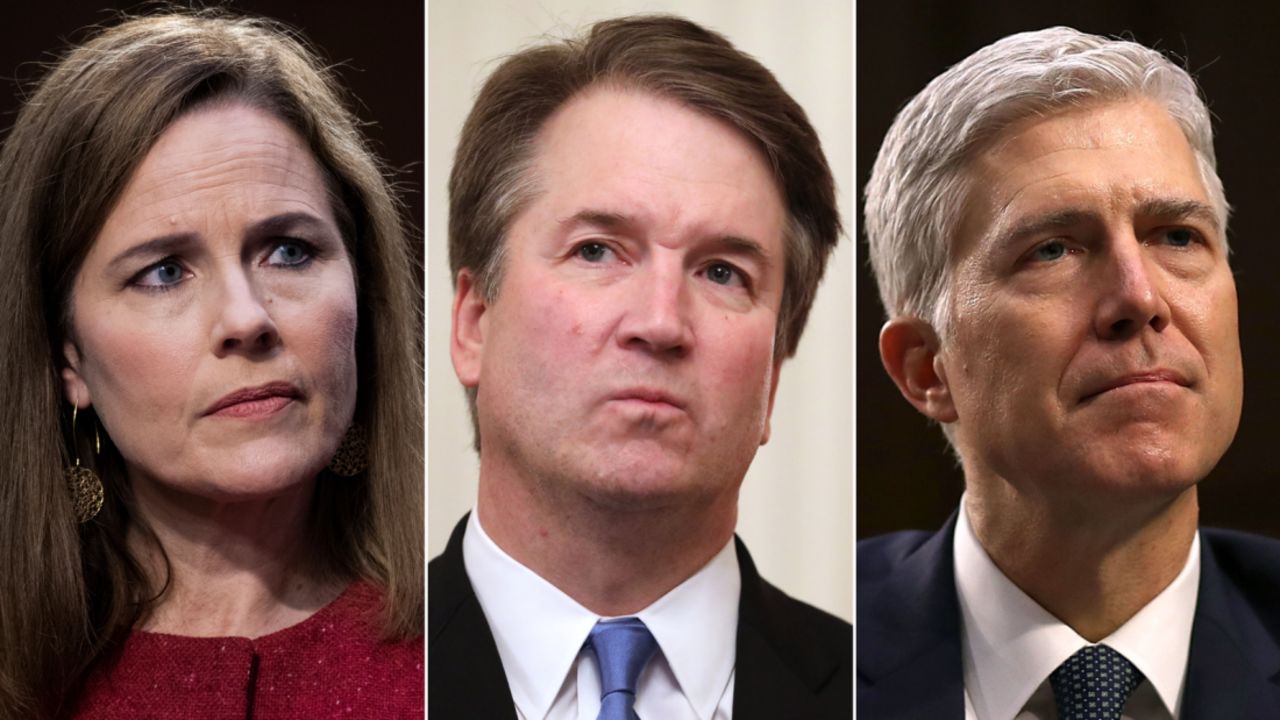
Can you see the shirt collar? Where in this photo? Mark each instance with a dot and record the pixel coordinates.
(696, 625)
(1011, 644)
(539, 630)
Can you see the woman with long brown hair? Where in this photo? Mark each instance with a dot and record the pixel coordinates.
(210, 458)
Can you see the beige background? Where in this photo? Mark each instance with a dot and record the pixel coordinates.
(797, 500)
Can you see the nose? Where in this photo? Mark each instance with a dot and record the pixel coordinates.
(242, 320)
(657, 315)
(1134, 295)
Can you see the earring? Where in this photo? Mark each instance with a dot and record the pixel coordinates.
(352, 455)
(86, 488)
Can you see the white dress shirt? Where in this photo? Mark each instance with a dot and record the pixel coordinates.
(540, 633)
(1010, 644)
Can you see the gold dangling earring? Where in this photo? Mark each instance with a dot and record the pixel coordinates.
(86, 488)
(352, 456)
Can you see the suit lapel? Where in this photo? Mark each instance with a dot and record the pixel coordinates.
(1233, 664)
(909, 657)
(464, 672)
(783, 669)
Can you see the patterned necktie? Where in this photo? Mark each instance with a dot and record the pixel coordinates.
(1093, 684)
(622, 648)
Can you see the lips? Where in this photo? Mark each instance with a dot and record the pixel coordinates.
(259, 400)
(652, 396)
(1155, 375)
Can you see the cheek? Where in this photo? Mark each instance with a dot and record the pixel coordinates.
(1006, 361)
(1222, 320)
(323, 334)
(136, 369)
(1220, 324)
(738, 354)
(547, 331)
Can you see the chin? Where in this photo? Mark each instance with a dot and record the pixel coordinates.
(626, 488)
(245, 477)
(1160, 457)
(650, 481)
(1146, 473)
(254, 485)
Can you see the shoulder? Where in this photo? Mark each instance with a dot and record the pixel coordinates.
(763, 601)
(1233, 548)
(879, 556)
(823, 624)
(1235, 639)
(344, 661)
(890, 548)
(450, 588)
(906, 585)
(1249, 563)
(793, 659)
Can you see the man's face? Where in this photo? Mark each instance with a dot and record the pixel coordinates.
(629, 354)
(1094, 345)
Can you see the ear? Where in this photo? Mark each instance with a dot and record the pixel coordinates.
(73, 385)
(773, 393)
(909, 349)
(466, 341)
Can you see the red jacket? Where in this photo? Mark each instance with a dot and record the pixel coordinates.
(330, 665)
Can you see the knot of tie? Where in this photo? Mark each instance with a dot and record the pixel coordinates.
(1093, 684)
(622, 648)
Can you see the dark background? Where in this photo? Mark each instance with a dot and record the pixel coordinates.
(378, 49)
(906, 476)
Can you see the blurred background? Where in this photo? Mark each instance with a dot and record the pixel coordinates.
(796, 503)
(907, 478)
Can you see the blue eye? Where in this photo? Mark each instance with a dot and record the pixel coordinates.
(723, 274)
(1180, 237)
(162, 275)
(1050, 251)
(727, 275)
(290, 253)
(593, 252)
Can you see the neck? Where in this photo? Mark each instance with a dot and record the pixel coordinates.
(613, 559)
(1093, 568)
(233, 568)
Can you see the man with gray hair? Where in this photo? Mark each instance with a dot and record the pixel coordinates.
(1048, 233)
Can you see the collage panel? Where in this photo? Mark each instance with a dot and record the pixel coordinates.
(623, 374)
(1060, 466)
(211, 496)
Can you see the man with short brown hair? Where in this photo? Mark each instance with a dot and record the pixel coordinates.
(639, 219)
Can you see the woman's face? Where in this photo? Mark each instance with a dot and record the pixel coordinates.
(214, 318)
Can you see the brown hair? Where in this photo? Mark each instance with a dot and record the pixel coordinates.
(667, 56)
(70, 592)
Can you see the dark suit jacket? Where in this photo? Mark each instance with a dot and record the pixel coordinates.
(909, 663)
(793, 661)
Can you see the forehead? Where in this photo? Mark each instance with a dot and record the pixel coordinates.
(653, 159)
(215, 160)
(1106, 159)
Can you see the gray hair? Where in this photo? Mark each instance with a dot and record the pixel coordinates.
(919, 184)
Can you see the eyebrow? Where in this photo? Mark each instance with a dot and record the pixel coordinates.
(175, 243)
(610, 220)
(287, 223)
(159, 246)
(1169, 209)
(1165, 209)
(600, 218)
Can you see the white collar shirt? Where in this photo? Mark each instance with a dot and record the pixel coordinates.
(1010, 644)
(541, 634)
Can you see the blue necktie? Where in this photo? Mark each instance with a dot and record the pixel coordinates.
(1093, 684)
(622, 648)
